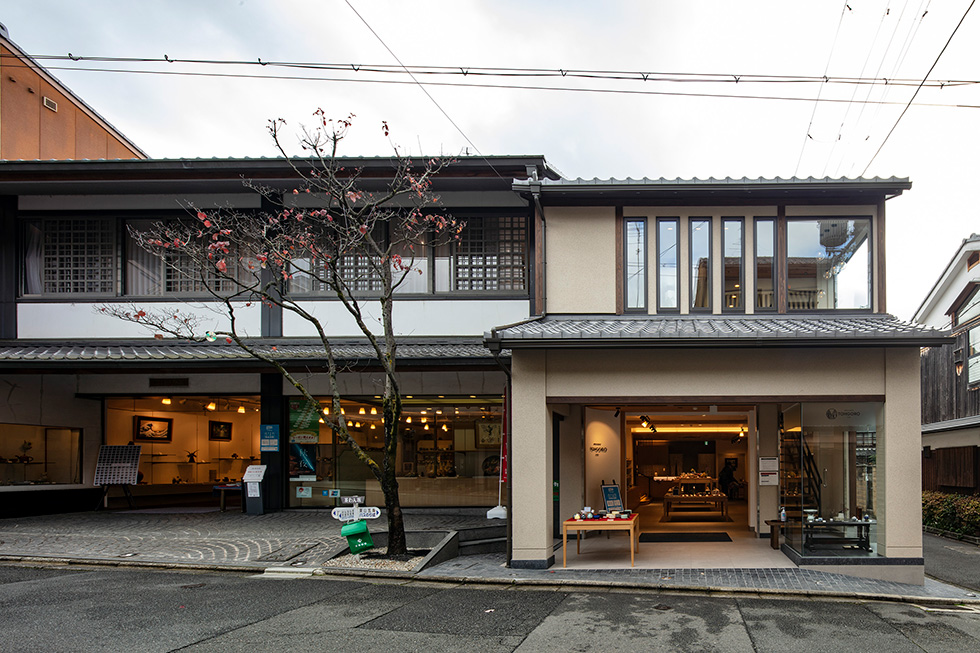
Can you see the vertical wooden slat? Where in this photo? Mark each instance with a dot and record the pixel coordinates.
(781, 257)
(620, 303)
(539, 307)
(880, 249)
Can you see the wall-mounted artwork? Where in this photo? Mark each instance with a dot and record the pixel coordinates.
(220, 431)
(487, 435)
(152, 429)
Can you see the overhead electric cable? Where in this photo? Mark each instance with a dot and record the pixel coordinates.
(816, 102)
(567, 89)
(912, 99)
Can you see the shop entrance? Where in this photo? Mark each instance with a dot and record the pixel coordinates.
(685, 472)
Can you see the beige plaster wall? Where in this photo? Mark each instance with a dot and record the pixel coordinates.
(899, 458)
(603, 450)
(580, 273)
(946, 439)
(532, 511)
(572, 462)
(692, 373)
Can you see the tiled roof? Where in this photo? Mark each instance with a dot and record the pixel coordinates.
(173, 351)
(726, 181)
(714, 330)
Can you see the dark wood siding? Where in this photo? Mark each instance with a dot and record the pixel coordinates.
(945, 394)
(950, 470)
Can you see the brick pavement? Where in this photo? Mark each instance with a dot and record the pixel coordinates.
(305, 539)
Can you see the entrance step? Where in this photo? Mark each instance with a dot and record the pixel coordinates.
(489, 545)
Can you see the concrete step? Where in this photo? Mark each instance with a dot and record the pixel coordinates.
(489, 545)
(482, 533)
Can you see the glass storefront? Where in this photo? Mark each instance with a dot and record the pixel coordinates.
(828, 478)
(448, 452)
(187, 440)
(39, 455)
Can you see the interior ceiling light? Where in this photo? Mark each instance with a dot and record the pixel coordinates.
(372, 427)
(408, 420)
(321, 421)
(165, 401)
(350, 423)
(241, 411)
(374, 411)
(423, 419)
(361, 411)
(445, 428)
(212, 406)
(357, 425)
(326, 410)
(426, 427)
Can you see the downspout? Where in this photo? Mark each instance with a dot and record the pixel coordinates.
(493, 344)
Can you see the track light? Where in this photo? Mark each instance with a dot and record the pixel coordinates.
(165, 401)
(617, 412)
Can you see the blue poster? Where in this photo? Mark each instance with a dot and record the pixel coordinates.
(611, 497)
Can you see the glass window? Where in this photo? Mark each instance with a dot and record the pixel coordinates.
(970, 308)
(765, 273)
(828, 478)
(174, 274)
(69, 256)
(492, 254)
(734, 255)
(39, 455)
(448, 452)
(668, 280)
(636, 264)
(828, 264)
(973, 362)
(700, 263)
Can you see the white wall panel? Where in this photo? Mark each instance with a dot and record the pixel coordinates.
(84, 320)
(458, 317)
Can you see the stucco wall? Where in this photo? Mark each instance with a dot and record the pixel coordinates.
(581, 259)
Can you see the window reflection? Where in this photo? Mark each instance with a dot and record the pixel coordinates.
(828, 264)
(636, 264)
(667, 264)
(765, 247)
(700, 263)
(733, 254)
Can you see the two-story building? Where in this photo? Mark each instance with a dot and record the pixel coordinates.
(683, 324)
(951, 376)
(73, 378)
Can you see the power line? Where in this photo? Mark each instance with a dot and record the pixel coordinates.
(557, 73)
(567, 89)
(929, 72)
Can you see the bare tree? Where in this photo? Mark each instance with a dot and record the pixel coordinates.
(327, 233)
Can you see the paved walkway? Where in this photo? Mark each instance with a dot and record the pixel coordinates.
(305, 539)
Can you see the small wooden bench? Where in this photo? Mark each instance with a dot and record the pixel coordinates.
(775, 525)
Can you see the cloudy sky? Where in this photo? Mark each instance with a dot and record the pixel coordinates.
(658, 120)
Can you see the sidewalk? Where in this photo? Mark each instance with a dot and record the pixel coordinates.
(303, 540)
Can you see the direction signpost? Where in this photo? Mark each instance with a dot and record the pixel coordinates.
(356, 530)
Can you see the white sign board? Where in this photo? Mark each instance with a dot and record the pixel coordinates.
(768, 464)
(350, 514)
(253, 489)
(254, 474)
(768, 478)
(354, 499)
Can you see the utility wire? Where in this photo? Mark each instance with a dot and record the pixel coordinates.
(474, 71)
(905, 110)
(567, 89)
(424, 90)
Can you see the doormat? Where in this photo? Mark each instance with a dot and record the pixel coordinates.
(684, 537)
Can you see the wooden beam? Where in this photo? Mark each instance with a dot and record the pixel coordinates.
(782, 304)
(880, 306)
(620, 300)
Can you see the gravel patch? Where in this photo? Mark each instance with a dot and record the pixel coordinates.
(376, 561)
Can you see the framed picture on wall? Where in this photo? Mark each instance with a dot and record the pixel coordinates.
(487, 435)
(152, 429)
(220, 431)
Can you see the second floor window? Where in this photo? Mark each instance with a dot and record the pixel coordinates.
(828, 263)
(668, 278)
(70, 256)
(733, 255)
(148, 275)
(636, 264)
(700, 263)
(491, 254)
(765, 269)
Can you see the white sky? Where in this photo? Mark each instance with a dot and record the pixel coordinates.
(582, 134)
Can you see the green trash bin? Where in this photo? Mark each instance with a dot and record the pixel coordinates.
(358, 537)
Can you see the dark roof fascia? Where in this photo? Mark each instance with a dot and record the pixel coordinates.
(671, 192)
(711, 343)
(951, 425)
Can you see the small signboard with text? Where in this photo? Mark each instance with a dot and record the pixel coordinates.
(269, 437)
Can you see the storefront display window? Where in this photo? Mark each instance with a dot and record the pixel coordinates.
(828, 478)
(187, 440)
(448, 452)
(39, 455)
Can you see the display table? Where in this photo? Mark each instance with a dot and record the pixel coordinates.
(719, 501)
(835, 533)
(775, 525)
(222, 489)
(630, 524)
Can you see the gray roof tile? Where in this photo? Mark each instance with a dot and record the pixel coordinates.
(708, 330)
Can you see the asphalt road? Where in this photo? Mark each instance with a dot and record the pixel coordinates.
(951, 561)
(118, 609)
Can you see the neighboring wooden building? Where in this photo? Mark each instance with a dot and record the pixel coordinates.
(951, 376)
(41, 118)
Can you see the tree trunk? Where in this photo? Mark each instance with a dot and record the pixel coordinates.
(396, 526)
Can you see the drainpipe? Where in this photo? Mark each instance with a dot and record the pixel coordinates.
(493, 344)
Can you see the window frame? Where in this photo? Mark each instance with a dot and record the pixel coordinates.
(644, 265)
(774, 267)
(740, 221)
(692, 289)
(25, 222)
(467, 216)
(872, 273)
(677, 264)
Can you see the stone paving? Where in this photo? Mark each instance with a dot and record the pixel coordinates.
(305, 539)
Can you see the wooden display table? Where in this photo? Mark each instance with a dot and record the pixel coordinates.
(774, 527)
(719, 501)
(630, 524)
